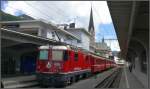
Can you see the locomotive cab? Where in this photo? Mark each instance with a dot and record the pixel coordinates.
(51, 65)
(51, 59)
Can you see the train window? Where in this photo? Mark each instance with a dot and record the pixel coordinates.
(65, 56)
(43, 55)
(76, 57)
(87, 58)
(57, 55)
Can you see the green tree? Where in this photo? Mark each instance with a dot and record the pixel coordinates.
(7, 17)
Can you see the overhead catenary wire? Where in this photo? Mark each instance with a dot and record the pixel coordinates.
(101, 22)
(94, 9)
(44, 16)
(42, 12)
(110, 41)
(56, 10)
(24, 12)
(50, 16)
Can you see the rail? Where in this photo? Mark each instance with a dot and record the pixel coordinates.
(112, 81)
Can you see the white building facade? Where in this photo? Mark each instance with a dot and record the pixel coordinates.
(41, 28)
(83, 35)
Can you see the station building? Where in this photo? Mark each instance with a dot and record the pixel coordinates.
(102, 49)
(22, 54)
(41, 28)
(83, 35)
(19, 56)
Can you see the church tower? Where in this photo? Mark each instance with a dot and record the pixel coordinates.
(91, 30)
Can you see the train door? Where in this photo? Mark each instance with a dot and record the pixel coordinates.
(71, 58)
(76, 61)
(80, 60)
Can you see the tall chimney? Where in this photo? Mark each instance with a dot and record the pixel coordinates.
(72, 25)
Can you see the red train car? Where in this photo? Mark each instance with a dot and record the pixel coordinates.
(97, 64)
(61, 65)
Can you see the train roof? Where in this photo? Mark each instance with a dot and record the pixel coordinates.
(67, 47)
(55, 47)
(61, 47)
(44, 47)
(98, 56)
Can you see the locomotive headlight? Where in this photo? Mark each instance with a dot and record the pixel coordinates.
(48, 65)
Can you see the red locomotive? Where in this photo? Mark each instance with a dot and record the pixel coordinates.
(62, 65)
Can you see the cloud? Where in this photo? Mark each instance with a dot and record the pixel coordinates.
(113, 44)
(102, 12)
(107, 31)
(13, 7)
(65, 12)
(61, 11)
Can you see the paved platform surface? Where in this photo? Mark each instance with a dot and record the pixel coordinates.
(19, 81)
(128, 80)
(92, 81)
(19, 78)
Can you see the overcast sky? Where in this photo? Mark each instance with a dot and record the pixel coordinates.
(69, 11)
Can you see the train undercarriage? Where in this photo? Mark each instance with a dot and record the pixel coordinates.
(61, 79)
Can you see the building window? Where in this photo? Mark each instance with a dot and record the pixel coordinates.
(78, 41)
(66, 55)
(53, 35)
(57, 55)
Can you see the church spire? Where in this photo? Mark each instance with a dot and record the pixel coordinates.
(103, 40)
(91, 30)
(91, 22)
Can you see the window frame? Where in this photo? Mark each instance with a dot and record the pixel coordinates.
(76, 56)
(44, 59)
(57, 59)
(66, 52)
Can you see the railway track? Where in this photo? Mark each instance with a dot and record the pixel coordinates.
(111, 81)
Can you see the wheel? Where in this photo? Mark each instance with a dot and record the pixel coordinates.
(72, 80)
(76, 78)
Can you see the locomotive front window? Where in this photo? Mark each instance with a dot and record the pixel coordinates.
(65, 56)
(76, 57)
(57, 55)
(43, 55)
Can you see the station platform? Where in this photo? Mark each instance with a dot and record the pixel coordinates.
(128, 80)
(19, 81)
